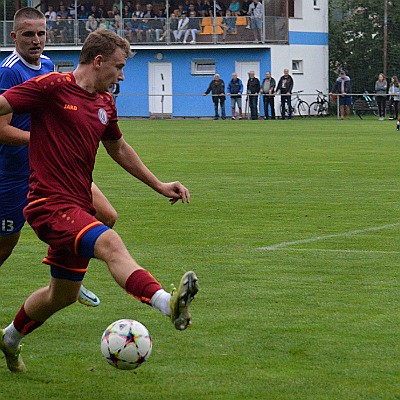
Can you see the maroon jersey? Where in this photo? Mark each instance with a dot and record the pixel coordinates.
(67, 125)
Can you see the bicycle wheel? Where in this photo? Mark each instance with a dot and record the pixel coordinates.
(314, 107)
(324, 110)
(303, 108)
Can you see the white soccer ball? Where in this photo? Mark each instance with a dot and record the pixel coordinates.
(126, 344)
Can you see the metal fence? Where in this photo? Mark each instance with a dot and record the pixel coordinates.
(164, 31)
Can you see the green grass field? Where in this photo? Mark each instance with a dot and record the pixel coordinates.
(293, 231)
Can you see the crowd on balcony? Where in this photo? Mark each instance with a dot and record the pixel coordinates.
(148, 23)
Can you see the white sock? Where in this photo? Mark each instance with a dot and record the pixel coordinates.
(160, 301)
(12, 338)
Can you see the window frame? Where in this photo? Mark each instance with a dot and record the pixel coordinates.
(203, 61)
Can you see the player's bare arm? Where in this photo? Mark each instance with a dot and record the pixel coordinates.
(5, 107)
(122, 153)
(11, 135)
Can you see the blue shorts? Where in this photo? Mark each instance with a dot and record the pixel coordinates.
(236, 100)
(256, 23)
(13, 192)
(345, 101)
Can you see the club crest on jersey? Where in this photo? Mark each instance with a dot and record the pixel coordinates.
(103, 116)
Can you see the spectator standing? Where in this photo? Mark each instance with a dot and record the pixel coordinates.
(285, 87)
(235, 90)
(394, 91)
(217, 89)
(244, 11)
(268, 92)
(253, 89)
(256, 11)
(381, 90)
(342, 87)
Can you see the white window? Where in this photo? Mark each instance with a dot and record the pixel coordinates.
(295, 8)
(297, 66)
(203, 67)
(316, 4)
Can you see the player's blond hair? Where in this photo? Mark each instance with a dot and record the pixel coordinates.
(26, 13)
(103, 42)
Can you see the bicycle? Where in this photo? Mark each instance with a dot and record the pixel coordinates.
(299, 105)
(320, 107)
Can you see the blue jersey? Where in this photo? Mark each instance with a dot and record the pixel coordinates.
(14, 160)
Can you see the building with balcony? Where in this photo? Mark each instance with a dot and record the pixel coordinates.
(168, 75)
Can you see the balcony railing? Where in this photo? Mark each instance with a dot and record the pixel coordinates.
(165, 31)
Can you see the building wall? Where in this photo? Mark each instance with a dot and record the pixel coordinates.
(135, 86)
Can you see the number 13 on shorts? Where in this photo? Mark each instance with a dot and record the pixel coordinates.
(7, 225)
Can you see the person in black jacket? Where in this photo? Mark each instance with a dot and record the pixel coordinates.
(342, 87)
(268, 92)
(285, 87)
(253, 89)
(217, 89)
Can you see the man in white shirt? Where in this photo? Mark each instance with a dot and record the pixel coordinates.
(256, 19)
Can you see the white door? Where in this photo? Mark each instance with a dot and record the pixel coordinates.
(243, 68)
(160, 88)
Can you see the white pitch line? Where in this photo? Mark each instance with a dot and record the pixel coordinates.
(336, 250)
(323, 237)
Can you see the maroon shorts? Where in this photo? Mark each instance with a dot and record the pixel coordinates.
(61, 225)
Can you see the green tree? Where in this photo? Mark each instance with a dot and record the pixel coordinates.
(357, 38)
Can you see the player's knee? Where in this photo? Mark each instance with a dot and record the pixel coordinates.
(7, 244)
(5, 252)
(108, 246)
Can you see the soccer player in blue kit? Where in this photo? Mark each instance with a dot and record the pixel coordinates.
(27, 61)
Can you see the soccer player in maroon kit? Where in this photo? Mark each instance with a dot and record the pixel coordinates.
(70, 114)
